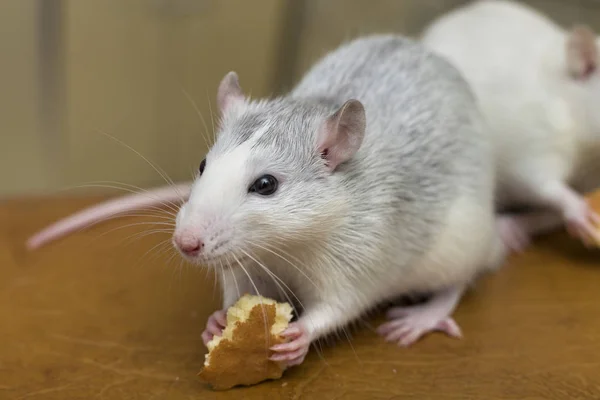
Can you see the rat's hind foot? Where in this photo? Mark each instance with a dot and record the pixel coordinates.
(294, 351)
(407, 330)
(514, 233)
(214, 326)
(409, 324)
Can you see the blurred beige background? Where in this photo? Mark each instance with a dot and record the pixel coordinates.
(75, 71)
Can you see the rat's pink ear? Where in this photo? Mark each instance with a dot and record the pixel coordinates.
(342, 134)
(582, 52)
(229, 92)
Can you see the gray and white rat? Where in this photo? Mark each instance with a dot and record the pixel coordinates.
(372, 179)
(538, 86)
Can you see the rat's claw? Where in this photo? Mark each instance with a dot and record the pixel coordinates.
(214, 326)
(584, 223)
(293, 331)
(585, 230)
(407, 324)
(296, 361)
(594, 217)
(294, 355)
(221, 317)
(206, 337)
(294, 351)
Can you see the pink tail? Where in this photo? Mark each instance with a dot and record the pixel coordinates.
(110, 208)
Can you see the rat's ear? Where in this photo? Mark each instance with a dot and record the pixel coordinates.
(342, 134)
(582, 52)
(229, 92)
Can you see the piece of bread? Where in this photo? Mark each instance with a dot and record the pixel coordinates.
(241, 355)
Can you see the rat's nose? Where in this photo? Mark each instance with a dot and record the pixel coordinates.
(188, 244)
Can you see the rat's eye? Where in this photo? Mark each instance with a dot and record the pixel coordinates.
(265, 185)
(202, 166)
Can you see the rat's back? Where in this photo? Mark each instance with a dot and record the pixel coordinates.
(514, 57)
(426, 157)
(396, 79)
(507, 51)
(423, 128)
(488, 36)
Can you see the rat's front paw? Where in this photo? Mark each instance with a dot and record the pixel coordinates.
(214, 326)
(409, 324)
(584, 223)
(294, 351)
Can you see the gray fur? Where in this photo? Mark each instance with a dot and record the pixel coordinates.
(424, 149)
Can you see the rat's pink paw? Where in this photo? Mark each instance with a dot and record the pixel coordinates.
(409, 324)
(513, 233)
(214, 326)
(584, 223)
(294, 351)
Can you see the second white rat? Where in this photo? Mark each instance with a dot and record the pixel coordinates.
(538, 85)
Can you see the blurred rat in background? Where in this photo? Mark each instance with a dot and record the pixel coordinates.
(538, 86)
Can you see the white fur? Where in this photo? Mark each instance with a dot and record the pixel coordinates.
(215, 198)
(545, 122)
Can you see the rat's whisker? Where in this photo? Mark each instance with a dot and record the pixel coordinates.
(160, 248)
(137, 224)
(150, 214)
(173, 268)
(212, 119)
(97, 237)
(266, 248)
(132, 189)
(261, 301)
(237, 288)
(347, 334)
(158, 170)
(284, 291)
(222, 270)
(173, 254)
(191, 100)
(174, 208)
(145, 233)
(278, 281)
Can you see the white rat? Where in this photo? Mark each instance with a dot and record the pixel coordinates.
(372, 179)
(539, 88)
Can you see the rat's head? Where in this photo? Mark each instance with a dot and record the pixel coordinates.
(271, 180)
(583, 74)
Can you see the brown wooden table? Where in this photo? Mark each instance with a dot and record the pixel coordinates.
(99, 315)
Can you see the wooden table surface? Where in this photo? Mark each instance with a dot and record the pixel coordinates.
(109, 314)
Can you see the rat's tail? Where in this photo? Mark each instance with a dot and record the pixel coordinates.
(110, 208)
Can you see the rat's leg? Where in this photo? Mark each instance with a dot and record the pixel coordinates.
(315, 322)
(517, 230)
(407, 324)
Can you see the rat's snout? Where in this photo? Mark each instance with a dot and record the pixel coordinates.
(188, 243)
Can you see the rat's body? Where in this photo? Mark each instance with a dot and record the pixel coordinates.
(538, 88)
(376, 198)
